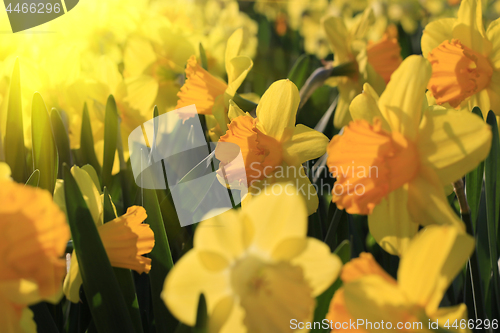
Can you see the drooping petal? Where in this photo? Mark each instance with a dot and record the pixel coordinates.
(306, 144)
(186, 281)
(277, 109)
(390, 223)
(432, 261)
(427, 203)
(321, 268)
(403, 99)
(435, 33)
(453, 142)
(272, 216)
(233, 47)
(468, 27)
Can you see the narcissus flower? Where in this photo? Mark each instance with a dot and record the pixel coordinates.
(393, 161)
(255, 267)
(272, 146)
(465, 59)
(435, 256)
(202, 88)
(349, 47)
(33, 237)
(125, 238)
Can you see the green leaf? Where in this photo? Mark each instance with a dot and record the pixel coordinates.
(161, 261)
(14, 132)
(298, 73)
(110, 141)
(87, 152)
(45, 157)
(203, 58)
(106, 302)
(201, 325)
(491, 181)
(34, 178)
(334, 216)
(123, 275)
(344, 251)
(61, 139)
(474, 184)
(245, 104)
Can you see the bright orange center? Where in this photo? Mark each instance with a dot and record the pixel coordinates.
(261, 153)
(201, 88)
(369, 163)
(384, 56)
(457, 72)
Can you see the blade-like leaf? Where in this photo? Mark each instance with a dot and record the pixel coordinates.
(87, 151)
(61, 139)
(45, 157)
(14, 132)
(492, 202)
(161, 262)
(106, 302)
(203, 58)
(201, 325)
(123, 275)
(34, 178)
(299, 71)
(110, 140)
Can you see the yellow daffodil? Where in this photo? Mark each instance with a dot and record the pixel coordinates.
(5, 171)
(372, 63)
(465, 59)
(255, 267)
(435, 256)
(393, 161)
(33, 237)
(125, 238)
(202, 88)
(272, 146)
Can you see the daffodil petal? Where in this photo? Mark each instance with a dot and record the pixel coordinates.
(234, 110)
(468, 27)
(306, 144)
(403, 99)
(435, 33)
(493, 34)
(364, 106)
(453, 142)
(277, 109)
(373, 299)
(89, 192)
(348, 89)
(271, 216)
(336, 33)
(452, 313)
(186, 281)
(222, 234)
(321, 267)
(73, 281)
(427, 202)
(5, 172)
(432, 261)
(233, 46)
(237, 70)
(390, 223)
(235, 321)
(141, 92)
